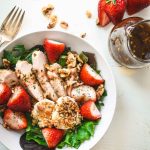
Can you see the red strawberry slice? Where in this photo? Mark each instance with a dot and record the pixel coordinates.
(102, 16)
(134, 6)
(5, 93)
(20, 100)
(53, 49)
(14, 120)
(52, 136)
(89, 111)
(115, 10)
(89, 76)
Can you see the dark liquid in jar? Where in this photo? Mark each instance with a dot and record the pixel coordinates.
(129, 42)
(139, 40)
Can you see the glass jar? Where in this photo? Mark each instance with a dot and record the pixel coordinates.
(129, 42)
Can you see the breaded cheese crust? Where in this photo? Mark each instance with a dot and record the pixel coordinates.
(42, 113)
(66, 114)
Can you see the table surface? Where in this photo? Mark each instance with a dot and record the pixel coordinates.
(130, 128)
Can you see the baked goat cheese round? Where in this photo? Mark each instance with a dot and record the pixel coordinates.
(66, 114)
(42, 113)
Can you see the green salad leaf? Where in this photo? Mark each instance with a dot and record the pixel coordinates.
(1, 114)
(83, 57)
(100, 101)
(34, 132)
(63, 58)
(74, 138)
(20, 53)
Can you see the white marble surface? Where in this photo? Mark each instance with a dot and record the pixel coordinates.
(130, 128)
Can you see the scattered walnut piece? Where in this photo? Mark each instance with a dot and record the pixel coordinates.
(83, 35)
(64, 72)
(6, 63)
(88, 14)
(53, 21)
(97, 21)
(64, 24)
(100, 90)
(47, 10)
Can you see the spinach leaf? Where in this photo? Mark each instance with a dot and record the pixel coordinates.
(79, 135)
(20, 53)
(1, 114)
(10, 57)
(34, 132)
(100, 101)
(63, 58)
(83, 57)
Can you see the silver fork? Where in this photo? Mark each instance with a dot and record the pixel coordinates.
(11, 25)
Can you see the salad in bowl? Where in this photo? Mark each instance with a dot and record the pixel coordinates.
(51, 95)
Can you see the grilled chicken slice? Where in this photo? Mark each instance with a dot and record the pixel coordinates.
(56, 82)
(9, 77)
(27, 78)
(83, 93)
(39, 61)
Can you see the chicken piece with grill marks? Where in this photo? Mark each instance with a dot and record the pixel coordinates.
(28, 80)
(39, 60)
(55, 80)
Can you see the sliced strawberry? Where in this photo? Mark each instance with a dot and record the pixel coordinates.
(134, 6)
(20, 100)
(53, 49)
(89, 111)
(5, 93)
(83, 93)
(52, 136)
(14, 120)
(102, 16)
(89, 76)
(115, 10)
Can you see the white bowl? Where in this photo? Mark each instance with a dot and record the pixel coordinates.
(11, 138)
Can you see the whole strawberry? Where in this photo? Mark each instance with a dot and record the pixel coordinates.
(134, 6)
(113, 9)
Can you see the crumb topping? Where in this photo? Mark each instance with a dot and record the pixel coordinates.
(67, 113)
(42, 113)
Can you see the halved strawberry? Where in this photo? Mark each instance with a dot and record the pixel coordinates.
(102, 16)
(52, 136)
(89, 111)
(134, 6)
(20, 100)
(115, 10)
(14, 120)
(5, 93)
(83, 93)
(53, 49)
(89, 76)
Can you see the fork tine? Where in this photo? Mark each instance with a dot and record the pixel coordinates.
(7, 18)
(16, 19)
(10, 22)
(18, 25)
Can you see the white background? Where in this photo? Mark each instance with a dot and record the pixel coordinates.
(130, 128)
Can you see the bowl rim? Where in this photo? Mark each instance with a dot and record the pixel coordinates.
(87, 43)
